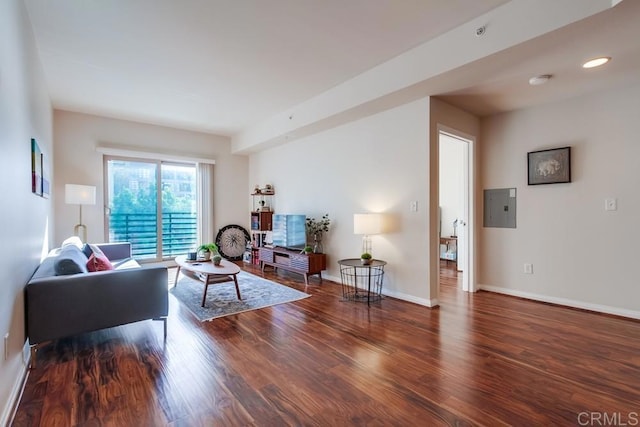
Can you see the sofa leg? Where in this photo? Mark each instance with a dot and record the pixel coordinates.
(33, 350)
(164, 324)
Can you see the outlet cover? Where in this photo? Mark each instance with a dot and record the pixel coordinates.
(610, 204)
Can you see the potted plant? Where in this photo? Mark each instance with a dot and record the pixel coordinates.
(307, 250)
(365, 258)
(316, 228)
(206, 250)
(216, 259)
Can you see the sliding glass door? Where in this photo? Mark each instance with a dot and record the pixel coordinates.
(151, 204)
(179, 217)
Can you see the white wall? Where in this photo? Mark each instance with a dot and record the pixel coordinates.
(581, 254)
(376, 164)
(77, 162)
(25, 113)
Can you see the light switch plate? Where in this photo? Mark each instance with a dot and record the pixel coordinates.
(610, 204)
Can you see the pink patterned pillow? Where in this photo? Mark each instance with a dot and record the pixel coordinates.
(99, 262)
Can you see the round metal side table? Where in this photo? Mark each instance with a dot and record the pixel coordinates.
(361, 282)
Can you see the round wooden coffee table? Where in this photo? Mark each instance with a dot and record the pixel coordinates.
(208, 273)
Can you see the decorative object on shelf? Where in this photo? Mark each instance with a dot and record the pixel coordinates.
(262, 198)
(365, 258)
(455, 227)
(367, 224)
(267, 190)
(549, 166)
(317, 228)
(263, 208)
(307, 250)
(206, 250)
(217, 258)
(449, 249)
(317, 244)
(80, 195)
(232, 240)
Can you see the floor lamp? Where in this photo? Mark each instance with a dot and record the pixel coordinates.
(367, 224)
(75, 194)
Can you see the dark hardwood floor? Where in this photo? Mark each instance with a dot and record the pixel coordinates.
(479, 359)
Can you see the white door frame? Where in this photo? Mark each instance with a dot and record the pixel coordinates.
(468, 250)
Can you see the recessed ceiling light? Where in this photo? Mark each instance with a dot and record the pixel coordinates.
(539, 80)
(596, 62)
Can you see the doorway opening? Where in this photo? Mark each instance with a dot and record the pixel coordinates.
(455, 203)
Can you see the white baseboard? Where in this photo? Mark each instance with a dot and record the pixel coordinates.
(332, 278)
(399, 295)
(623, 312)
(16, 391)
(411, 298)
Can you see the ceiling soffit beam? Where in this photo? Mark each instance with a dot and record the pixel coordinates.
(406, 77)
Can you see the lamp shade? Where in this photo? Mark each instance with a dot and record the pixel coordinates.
(75, 194)
(367, 224)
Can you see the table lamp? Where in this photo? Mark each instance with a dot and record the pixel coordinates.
(75, 194)
(367, 224)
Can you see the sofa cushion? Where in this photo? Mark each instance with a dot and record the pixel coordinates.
(95, 249)
(89, 249)
(47, 266)
(115, 251)
(65, 266)
(99, 262)
(71, 260)
(124, 264)
(86, 249)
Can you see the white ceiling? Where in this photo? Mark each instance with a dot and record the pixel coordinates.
(220, 66)
(499, 82)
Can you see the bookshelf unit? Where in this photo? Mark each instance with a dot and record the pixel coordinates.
(261, 219)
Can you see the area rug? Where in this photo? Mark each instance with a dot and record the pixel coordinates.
(222, 301)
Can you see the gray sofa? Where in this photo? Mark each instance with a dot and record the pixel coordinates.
(60, 304)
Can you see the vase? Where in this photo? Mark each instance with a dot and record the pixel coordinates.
(317, 244)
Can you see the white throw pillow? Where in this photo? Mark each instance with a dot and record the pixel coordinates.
(74, 241)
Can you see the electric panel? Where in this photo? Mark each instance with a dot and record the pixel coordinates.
(500, 208)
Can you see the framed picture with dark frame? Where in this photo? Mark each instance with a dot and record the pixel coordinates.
(36, 168)
(549, 166)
